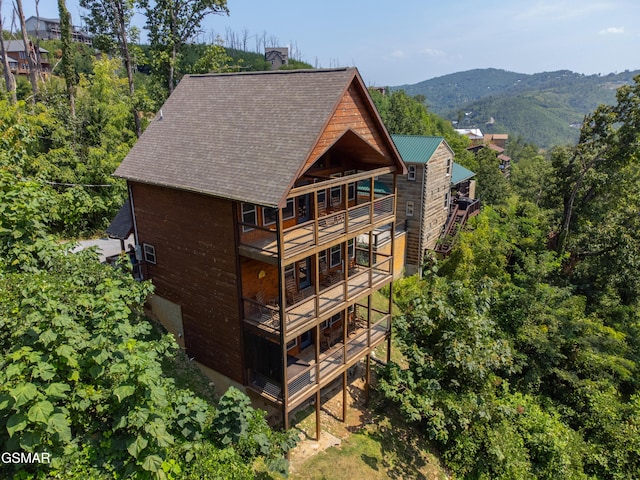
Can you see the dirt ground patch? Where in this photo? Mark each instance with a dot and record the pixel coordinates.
(368, 444)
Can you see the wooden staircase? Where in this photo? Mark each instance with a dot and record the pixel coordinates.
(462, 211)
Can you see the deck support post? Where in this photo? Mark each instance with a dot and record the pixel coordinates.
(318, 416)
(344, 396)
(367, 380)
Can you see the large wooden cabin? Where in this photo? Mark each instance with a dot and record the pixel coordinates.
(254, 217)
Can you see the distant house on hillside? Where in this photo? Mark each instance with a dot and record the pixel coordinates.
(496, 142)
(473, 134)
(249, 197)
(18, 60)
(277, 57)
(49, 29)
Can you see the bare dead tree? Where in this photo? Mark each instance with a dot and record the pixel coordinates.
(272, 42)
(9, 79)
(245, 38)
(29, 51)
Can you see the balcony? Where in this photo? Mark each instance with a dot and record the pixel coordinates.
(307, 307)
(304, 375)
(260, 242)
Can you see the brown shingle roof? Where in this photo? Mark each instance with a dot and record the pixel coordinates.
(240, 136)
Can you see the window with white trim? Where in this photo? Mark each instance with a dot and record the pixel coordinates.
(322, 255)
(292, 344)
(335, 319)
(351, 191)
(336, 255)
(411, 172)
(409, 208)
(336, 196)
(249, 216)
(446, 200)
(351, 251)
(448, 167)
(149, 252)
(289, 210)
(322, 198)
(269, 215)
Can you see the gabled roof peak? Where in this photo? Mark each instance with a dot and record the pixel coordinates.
(241, 136)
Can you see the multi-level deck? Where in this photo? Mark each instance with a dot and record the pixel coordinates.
(320, 315)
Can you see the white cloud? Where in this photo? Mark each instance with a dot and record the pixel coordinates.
(398, 54)
(612, 31)
(432, 52)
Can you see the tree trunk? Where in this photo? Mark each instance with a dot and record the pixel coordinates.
(129, 68)
(33, 76)
(9, 80)
(172, 67)
(67, 58)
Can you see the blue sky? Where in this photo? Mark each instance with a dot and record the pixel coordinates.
(415, 40)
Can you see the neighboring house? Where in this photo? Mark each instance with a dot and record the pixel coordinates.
(277, 57)
(248, 194)
(423, 194)
(494, 141)
(18, 61)
(473, 134)
(49, 29)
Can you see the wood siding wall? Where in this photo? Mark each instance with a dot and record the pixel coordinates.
(410, 191)
(351, 113)
(437, 189)
(193, 236)
(428, 196)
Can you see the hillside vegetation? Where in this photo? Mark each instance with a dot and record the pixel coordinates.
(541, 108)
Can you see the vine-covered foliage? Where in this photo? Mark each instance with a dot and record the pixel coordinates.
(81, 378)
(71, 159)
(81, 368)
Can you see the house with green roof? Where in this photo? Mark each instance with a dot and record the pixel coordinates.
(425, 193)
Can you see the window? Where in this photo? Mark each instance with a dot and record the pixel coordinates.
(336, 196)
(409, 209)
(248, 216)
(322, 198)
(446, 200)
(335, 319)
(336, 255)
(351, 252)
(448, 167)
(269, 215)
(288, 211)
(292, 344)
(289, 273)
(351, 191)
(411, 172)
(149, 252)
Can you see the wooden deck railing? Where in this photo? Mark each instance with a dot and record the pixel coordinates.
(332, 362)
(304, 236)
(328, 301)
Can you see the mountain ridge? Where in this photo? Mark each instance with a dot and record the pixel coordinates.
(543, 108)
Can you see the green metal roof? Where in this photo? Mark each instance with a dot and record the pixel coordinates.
(416, 148)
(364, 186)
(460, 174)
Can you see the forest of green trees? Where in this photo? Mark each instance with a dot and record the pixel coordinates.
(522, 347)
(520, 350)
